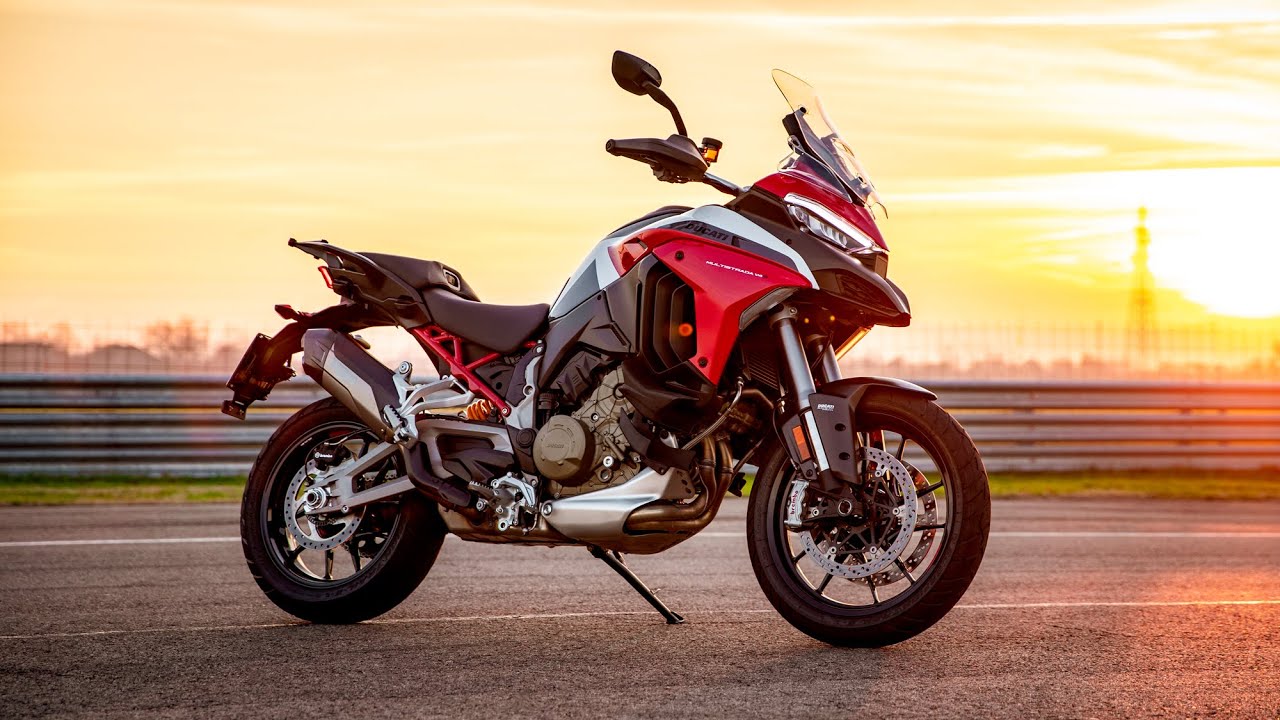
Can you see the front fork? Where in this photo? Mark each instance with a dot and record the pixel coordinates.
(802, 437)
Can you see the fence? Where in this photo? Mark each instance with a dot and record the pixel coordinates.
(1237, 351)
(113, 425)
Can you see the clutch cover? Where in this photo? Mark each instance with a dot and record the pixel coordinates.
(564, 451)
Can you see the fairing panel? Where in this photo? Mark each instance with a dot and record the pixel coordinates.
(725, 281)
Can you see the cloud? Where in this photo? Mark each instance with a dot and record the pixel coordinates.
(348, 19)
(1063, 150)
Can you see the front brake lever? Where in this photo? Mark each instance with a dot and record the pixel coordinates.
(666, 175)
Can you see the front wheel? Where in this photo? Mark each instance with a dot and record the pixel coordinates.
(883, 560)
(335, 567)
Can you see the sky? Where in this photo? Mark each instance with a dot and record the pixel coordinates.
(155, 155)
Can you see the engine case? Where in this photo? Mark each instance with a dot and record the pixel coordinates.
(586, 450)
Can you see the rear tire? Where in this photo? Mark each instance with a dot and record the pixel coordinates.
(936, 588)
(413, 529)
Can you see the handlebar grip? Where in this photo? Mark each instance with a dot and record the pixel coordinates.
(634, 148)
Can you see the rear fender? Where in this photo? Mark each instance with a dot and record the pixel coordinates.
(833, 409)
(267, 360)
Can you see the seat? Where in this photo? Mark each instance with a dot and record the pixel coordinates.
(423, 275)
(503, 328)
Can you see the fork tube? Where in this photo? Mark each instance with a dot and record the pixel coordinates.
(830, 368)
(793, 355)
(801, 379)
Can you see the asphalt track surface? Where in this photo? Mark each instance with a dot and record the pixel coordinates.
(1083, 608)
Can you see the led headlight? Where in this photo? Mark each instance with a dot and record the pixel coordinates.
(823, 223)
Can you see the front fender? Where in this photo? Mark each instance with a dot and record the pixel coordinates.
(822, 444)
(854, 388)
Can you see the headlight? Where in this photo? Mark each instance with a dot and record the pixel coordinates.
(821, 222)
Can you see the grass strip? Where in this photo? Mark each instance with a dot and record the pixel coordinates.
(43, 490)
(57, 490)
(1198, 486)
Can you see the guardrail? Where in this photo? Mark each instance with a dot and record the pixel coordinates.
(113, 425)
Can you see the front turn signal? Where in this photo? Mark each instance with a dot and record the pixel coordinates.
(711, 149)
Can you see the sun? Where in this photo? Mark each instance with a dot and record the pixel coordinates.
(1226, 259)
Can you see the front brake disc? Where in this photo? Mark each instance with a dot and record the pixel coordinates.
(928, 515)
(833, 555)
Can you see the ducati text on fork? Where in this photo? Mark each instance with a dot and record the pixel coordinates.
(689, 342)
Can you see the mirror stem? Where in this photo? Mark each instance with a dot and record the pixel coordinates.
(662, 99)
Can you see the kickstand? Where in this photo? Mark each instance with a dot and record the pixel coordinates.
(614, 560)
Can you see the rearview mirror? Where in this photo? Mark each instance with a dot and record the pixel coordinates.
(633, 74)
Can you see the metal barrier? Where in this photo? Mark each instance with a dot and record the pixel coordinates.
(113, 425)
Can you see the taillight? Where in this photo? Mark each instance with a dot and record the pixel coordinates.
(627, 253)
(324, 273)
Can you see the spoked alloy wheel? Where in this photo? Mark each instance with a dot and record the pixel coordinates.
(335, 567)
(882, 560)
(334, 547)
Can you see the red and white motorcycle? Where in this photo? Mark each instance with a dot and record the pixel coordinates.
(689, 343)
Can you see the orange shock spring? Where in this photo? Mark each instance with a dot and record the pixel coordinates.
(480, 410)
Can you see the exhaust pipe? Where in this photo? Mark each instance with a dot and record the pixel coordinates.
(351, 375)
(365, 386)
(716, 474)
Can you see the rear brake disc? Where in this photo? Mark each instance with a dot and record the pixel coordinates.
(315, 532)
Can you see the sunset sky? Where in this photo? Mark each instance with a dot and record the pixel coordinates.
(155, 155)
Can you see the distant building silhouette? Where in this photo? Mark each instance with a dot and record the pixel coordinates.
(124, 357)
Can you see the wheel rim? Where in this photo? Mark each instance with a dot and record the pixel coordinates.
(865, 564)
(326, 551)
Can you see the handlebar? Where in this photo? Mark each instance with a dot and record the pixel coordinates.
(725, 186)
(676, 159)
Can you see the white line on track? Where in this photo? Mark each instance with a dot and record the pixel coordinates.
(622, 613)
(1144, 603)
(1135, 534)
(1008, 534)
(1083, 534)
(120, 541)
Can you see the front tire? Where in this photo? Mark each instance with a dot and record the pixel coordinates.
(378, 563)
(865, 603)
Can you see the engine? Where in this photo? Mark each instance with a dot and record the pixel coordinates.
(586, 449)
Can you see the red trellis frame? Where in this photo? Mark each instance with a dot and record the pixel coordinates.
(433, 338)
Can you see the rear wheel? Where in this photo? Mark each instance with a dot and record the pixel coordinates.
(337, 567)
(883, 560)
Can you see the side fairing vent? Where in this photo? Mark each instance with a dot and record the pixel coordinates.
(668, 332)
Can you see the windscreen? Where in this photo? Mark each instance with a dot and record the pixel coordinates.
(821, 137)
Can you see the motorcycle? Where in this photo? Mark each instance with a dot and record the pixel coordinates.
(689, 343)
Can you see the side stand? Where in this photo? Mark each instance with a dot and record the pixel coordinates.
(614, 560)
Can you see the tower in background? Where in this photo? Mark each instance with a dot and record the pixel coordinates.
(1142, 298)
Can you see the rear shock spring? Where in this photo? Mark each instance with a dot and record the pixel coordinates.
(481, 409)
